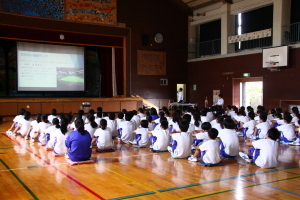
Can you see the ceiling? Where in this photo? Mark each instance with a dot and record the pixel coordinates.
(190, 5)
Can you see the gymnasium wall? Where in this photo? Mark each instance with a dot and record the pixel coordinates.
(281, 85)
(141, 18)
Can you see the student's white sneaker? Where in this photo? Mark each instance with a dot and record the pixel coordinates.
(170, 149)
(67, 156)
(32, 140)
(8, 132)
(133, 142)
(26, 138)
(245, 157)
(295, 143)
(192, 158)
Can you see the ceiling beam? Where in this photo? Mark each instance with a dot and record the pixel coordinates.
(227, 1)
(183, 6)
(205, 4)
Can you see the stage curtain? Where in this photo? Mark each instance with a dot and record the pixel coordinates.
(106, 63)
(119, 70)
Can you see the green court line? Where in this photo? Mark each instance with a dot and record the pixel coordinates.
(207, 182)
(20, 181)
(133, 196)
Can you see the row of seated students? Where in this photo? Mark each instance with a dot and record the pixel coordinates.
(210, 136)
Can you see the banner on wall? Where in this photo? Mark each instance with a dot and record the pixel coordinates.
(99, 11)
(250, 36)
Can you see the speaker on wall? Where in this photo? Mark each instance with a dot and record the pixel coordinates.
(145, 39)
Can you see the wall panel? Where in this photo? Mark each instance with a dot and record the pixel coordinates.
(33, 108)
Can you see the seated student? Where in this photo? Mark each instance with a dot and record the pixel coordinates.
(103, 137)
(141, 113)
(81, 112)
(263, 152)
(201, 135)
(141, 135)
(160, 139)
(209, 150)
(203, 116)
(112, 124)
(40, 130)
(262, 128)
(181, 144)
(78, 143)
(240, 117)
(134, 124)
(161, 114)
(277, 121)
(33, 124)
(120, 119)
(287, 130)
(53, 115)
(16, 121)
(271, 114)
(217, 125)
(297, 141)
(153, 114)
(98, 117)
(157, 127)
(229, 141)
(174, 123)
(50, 131)
(136, 118)
(197, 122)
(60, 135)
(23, 125)
(249, 125)
(105, 116)
(91, 126)
(125, 129)
(233, 111)
(91, 112)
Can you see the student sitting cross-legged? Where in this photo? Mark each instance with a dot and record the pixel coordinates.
(263, 152)
(181, 144)
(160, 139)
(141, 135)
(210, 151)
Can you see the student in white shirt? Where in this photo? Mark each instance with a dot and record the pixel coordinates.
(249, 125)
(60, 136)
(203, 116)
(91, 112)
(277, 121)
(181, 144)
(91, 126)
(141, 135)
(264, 152)
(287, 130)
(112, 124)
(120, 119)
(217, 125)
(209, 150)
(262, 128)
(98, 117)
(16, 121)
(126, 128)
(229, 142)
(53, 115)
(33, 124)
(160, 139)
(141, 113)
(23, 125)
(197, 122)
(201, 135)
(136, 118)
(40, 130)
(220, 101)
(103, 137)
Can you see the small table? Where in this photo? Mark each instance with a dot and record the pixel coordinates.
(171, 105)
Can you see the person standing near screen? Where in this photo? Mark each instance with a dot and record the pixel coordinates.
(179, 96)
(220, 101)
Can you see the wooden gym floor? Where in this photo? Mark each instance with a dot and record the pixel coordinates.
(29, 172)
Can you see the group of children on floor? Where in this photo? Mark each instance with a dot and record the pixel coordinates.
(208, 135)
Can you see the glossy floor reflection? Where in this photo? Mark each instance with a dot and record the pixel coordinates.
(27, 171)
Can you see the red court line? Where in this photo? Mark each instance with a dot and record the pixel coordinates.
(88, 189)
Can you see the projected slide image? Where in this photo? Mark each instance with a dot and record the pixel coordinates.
(70, 77)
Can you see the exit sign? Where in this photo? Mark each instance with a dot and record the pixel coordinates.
(246, 74)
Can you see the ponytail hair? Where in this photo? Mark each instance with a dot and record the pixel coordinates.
(79, 124)
(55, 121)
(38, 118)
(197, 119)
(103, 124)
(63, 125)
(27, 115)
(91, 118)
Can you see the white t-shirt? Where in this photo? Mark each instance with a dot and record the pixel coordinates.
(25, 126)
(51, 117)
(90, 129)
(136, 118)
(41, 127)
(118, 120)
(184, 142)
(179, 96)
(202, 136)
(241, 118)
(112, 124)
(220, 102)
(150, 126)
(33, 124)
(217, 126)
(232, 113)
(204, 119)
(213, 122)
(212, 151)
(144, 142)
(268, 153)
(141, 115)
(18, 118)
(270, 117)
(209, 116)
(288, 131)
(51, 130)
(250, 125)
(230, 141)
(97, 120)
(279, 121)
(60, 138)
(104, 140)
(264, 128)
(126, 133)
(163, 140)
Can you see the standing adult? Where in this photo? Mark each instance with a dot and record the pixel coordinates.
(220, 101)
(179, 96)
